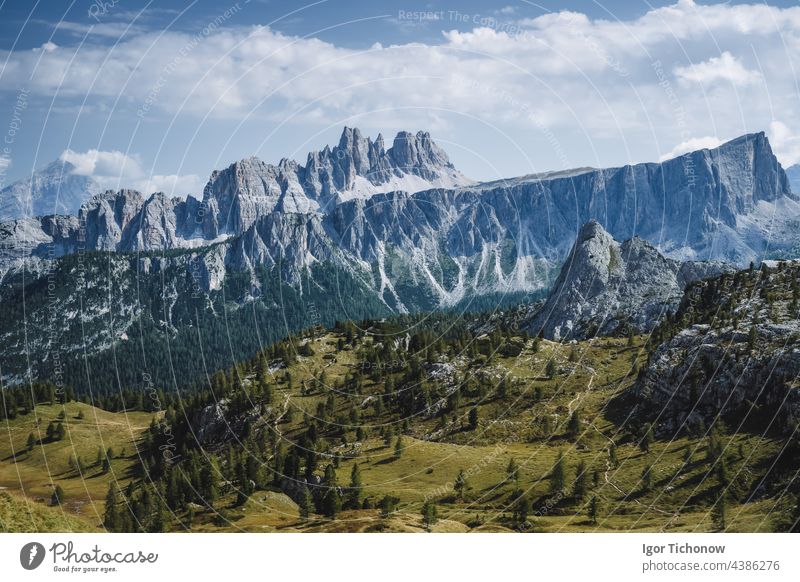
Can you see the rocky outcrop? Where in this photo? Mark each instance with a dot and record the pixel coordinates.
(733, 349)
(606, 287)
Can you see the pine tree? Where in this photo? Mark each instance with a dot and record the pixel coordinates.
(388, 505)
(612, 455)
(593, 510)
(31, 442)
(647, 478)
(356, 488)
(719, 513)
(460, 484)
(647, 438)
(208, 482)
(512, 470)
(398, 448)
(111, 519)
(522, 508)
(57, 498)
(473, 418)
(574, 426)
(332, 502)
(429, 514)
(306, 503)
(550, 369)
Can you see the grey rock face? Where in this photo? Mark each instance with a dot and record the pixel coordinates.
(735, 353)
(356, 168)
(406, 219)
(55, 189)
(605, 287)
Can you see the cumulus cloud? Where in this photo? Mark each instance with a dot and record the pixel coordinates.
(173, 185)
(98, 163)
(691, 145)
(725, 67)
(115, 169)
(47, 47)
(785, 143)
(596, 78)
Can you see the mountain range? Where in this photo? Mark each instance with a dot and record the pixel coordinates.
(361, 230)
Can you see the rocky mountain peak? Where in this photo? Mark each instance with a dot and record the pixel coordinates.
(356, 167)
(418, 153)
(606, 287)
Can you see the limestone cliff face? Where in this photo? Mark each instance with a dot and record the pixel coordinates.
(408, 219)
(606, 287)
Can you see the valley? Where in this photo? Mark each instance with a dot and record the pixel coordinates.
(309, 348)
(541, 432)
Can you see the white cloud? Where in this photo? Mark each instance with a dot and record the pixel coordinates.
(785, 143)
(47, 47)
(115, 169)
(172, 185)
(725, 67)
(107, 164)
(691, 145)
(591, 78)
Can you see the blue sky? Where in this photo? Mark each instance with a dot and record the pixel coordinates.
(156, 95)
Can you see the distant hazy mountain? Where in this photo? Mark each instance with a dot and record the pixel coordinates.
(54, 189)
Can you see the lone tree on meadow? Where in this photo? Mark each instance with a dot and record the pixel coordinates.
(429, 514)
(647, 438)
(57, 498)
(460, 484)
(550, 370)
(719, 513)
(593, 510)
(513, 470)
(574, 426)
